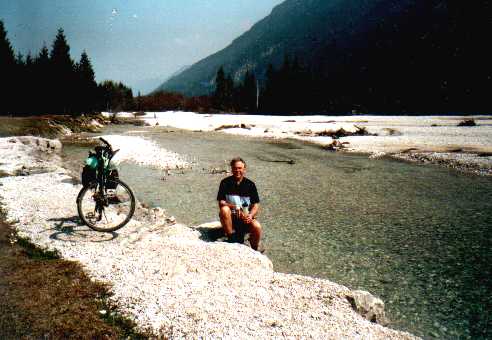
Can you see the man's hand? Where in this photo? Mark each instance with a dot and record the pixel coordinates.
(247, 218)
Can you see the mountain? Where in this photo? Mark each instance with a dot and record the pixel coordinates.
(379, 53)
(146, 86)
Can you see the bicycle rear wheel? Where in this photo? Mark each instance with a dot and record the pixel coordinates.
(108, 211)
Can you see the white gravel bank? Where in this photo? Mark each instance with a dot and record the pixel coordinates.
(144, 152)
(427, 139)
(170, 281)
(18, 154)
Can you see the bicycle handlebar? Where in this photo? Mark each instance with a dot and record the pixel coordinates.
(106, 142)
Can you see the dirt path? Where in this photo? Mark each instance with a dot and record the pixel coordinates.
(46, 297)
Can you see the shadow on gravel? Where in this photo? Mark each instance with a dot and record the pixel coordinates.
(71, 229)
(71, 181)
(208, 234)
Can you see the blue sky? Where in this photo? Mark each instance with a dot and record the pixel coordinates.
(137, 42)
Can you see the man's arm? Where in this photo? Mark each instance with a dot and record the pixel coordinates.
(224, 203)
(255, 208)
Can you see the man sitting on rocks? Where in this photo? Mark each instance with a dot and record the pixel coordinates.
(239, 204)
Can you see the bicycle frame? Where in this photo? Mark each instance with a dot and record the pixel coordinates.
(104, 156)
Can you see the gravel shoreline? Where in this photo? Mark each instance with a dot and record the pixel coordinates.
(419, 139)
(163, 274)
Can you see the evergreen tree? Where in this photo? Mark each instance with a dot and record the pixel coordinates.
(7, 66)
(219, 97)
(42, 83)
(18, 85)
(84, 69)
(60, 53)
(63, 74)
(85, 87)
(115, 96)
(7, 72)
(229, 93)
(267, 100)
(7, 56)
(248, 93)
(19, 60)
(27, 88)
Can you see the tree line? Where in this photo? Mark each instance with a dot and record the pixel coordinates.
(290, 88)
(50, 82)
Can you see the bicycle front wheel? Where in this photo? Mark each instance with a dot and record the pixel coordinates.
(109, 210)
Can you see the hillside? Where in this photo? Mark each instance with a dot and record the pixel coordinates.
(378, 55)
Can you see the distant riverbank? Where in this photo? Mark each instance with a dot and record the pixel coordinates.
(436, 140)
(421, 139)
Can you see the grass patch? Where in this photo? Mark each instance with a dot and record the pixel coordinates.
(48, 126)
(36, 253)
(45, 297)
(113, 318)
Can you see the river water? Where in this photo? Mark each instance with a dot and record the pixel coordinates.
(417, 236)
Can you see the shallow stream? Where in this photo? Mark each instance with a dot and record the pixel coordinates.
(417, 236)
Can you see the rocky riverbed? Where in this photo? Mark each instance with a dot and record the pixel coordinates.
(439, 140)
(167, 276)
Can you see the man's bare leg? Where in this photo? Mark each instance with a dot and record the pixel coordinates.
(225, 215)
(254, 234)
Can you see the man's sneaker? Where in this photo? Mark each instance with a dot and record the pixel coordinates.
(261, 248)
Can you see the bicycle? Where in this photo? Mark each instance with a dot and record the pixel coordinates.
(105, 203)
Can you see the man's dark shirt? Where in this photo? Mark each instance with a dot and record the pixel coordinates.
(244, 194)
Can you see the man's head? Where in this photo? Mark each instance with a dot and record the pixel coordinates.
(238, 167)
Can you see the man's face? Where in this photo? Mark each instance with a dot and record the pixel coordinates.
(238, 170)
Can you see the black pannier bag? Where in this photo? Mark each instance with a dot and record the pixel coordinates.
(112, 176)
(88, 175)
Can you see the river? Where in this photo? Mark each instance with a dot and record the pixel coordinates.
(417, 236)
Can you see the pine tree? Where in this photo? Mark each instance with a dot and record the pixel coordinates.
(268, 95)
(27, 84)
(42, 84)
(115, 96)
(84, 69)
(60, 53)
(18, 85)
(85, 87)
(7, 56)
(220, 89)
(7, 63)
(63, 74)
(248, 92)
(229, 93)
(19, 59)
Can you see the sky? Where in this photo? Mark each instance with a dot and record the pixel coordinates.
(138, 42)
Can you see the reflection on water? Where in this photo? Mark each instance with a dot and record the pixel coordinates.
(417, 236)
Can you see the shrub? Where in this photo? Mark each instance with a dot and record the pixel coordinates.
(467, 122)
